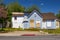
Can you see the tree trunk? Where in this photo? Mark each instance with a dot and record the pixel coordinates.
(8, 24)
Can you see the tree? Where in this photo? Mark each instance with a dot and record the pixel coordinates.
(58, 15)
(2, 21)
(1, 1)
(30, 9)
(3, 15)
(14, 7)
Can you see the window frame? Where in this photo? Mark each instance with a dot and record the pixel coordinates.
(49, 23)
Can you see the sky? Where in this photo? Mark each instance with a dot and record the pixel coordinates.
(44, 5)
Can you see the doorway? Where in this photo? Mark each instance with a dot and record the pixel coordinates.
(32, 23)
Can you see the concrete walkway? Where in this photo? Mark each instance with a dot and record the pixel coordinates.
(19, 33)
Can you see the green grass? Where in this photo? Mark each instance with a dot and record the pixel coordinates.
(32, 29)
(20, 29)
(10, 29)
(52, 31)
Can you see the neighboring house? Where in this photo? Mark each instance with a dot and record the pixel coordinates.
(35, 19)
(58, 23)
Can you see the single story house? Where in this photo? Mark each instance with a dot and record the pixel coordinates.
(35, 19)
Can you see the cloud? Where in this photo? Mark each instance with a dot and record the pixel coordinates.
(42, 4)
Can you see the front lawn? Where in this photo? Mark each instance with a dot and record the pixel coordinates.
(32, 29)
(52, 31)
(5, 30)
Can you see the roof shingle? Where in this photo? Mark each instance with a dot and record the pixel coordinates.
(49, 16)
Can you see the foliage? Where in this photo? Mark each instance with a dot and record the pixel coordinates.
(30, 9)
(1, 20)
(1, 1)
(14, 7)
(9, 15)
(58, 15)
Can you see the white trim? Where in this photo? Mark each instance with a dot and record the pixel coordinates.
(49, 24)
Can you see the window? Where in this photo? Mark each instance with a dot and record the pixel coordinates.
(49, 23)
(35, 15)
(15, 18)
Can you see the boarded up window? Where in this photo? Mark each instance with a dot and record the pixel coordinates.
(37, 23)
(31, 23)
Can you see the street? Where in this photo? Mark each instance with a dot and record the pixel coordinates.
(42, 37)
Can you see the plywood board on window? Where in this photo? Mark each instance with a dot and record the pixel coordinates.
(37, 25)
(31, 23)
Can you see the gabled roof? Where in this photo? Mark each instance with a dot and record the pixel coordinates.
(45, 16)
(48, 16)
(33, 12)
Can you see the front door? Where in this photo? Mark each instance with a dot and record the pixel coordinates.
(32, 23)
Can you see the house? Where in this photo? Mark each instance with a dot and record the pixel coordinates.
(58, 23)
(35, 19)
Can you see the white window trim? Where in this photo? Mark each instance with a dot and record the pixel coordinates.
(49, 24)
